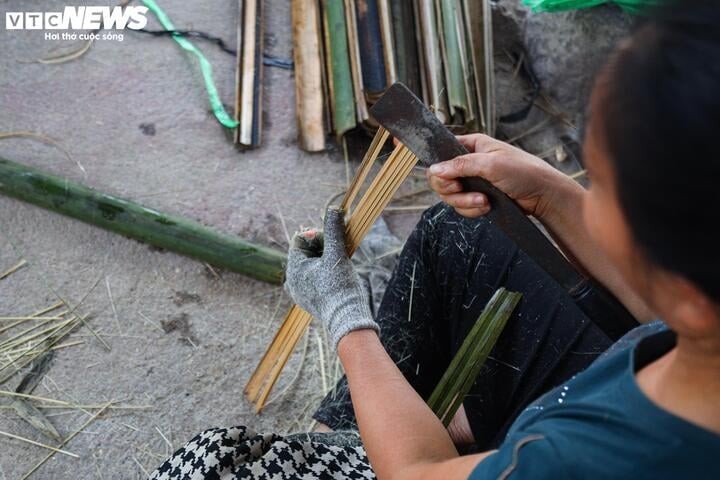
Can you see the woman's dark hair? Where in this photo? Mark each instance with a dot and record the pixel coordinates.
(659, 113)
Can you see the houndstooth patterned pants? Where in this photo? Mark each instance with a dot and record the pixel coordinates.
(240, 453)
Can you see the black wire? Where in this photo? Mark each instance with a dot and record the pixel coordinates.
(268, 60)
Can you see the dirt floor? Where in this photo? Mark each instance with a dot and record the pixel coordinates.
(183, 341)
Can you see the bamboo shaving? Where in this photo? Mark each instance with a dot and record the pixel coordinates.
(13, 269)
(38, 444)
(373, 202)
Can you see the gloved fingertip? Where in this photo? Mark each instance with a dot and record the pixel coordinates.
(334, 226)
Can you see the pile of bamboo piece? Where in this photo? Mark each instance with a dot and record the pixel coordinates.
(347, 52)
(359, 219)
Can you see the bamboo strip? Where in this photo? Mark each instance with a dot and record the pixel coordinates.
(355, 67)
(431, 54)
(386, 32)
(405, 44)
(337, 58)
(369, 208)
(452, 55)
(309, 107)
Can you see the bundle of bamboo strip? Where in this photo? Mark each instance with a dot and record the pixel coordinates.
(359, 220)
(441, 49)
(249, 74)
(469, 359)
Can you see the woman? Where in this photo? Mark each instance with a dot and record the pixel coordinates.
(648, 408)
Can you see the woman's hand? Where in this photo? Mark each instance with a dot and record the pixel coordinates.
(321, 279)
(523, 177)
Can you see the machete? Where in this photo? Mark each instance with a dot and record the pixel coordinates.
(408, 119)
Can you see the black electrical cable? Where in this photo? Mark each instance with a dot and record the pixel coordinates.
(268, 60)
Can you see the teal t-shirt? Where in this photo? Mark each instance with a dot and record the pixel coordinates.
(600, 425)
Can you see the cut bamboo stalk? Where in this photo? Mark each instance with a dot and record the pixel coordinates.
(355, 67)
(141, 223)
(309, 107)
(337, 58)
(249, 74)
(369, 208)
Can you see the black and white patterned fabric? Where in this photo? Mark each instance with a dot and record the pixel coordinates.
(240, 453)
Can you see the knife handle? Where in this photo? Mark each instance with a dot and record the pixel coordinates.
(603, 309)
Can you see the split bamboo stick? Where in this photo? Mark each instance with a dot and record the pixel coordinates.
(309, 106)
(377, 196)
(141, 223)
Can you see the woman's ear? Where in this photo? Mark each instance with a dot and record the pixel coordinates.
(693, 312)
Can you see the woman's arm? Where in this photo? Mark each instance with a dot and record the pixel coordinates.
(402, 436)
(541, 191)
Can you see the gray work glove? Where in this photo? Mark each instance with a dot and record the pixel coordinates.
(320, 278)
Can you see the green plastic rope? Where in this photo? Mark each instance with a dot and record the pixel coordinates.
(217, 106)
(637, 7)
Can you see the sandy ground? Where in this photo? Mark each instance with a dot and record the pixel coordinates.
(100, 108)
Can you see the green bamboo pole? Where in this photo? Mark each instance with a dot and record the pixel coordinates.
(173, 233)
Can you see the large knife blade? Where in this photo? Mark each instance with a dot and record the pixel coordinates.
(408, 119)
